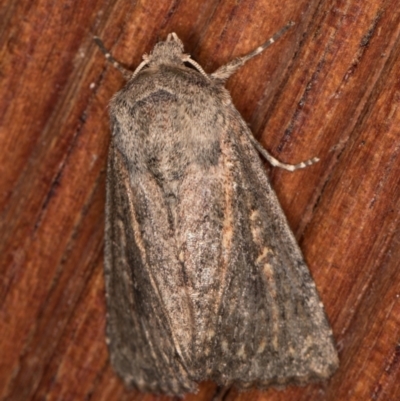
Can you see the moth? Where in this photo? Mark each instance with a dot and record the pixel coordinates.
(204, 278)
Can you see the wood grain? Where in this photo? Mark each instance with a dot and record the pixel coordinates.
(329, 88)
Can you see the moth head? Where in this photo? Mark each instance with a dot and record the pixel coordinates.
(168, 51)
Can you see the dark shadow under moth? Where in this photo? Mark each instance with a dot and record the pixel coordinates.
(204, 278)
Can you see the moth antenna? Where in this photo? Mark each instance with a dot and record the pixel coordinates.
(275, 162)
(196, 65)
(225, 71)
(126, 73)
(145, 61)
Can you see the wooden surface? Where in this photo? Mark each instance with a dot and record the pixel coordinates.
(329, 88)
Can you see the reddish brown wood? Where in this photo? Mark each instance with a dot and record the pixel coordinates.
(329, 88)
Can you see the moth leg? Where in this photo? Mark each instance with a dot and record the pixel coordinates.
(220, 393)
(225, 71)
(275, 162)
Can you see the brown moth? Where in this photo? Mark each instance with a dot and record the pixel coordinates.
(204, 277)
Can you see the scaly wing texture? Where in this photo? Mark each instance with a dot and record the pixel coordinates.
(272, 326)
(141, 342)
